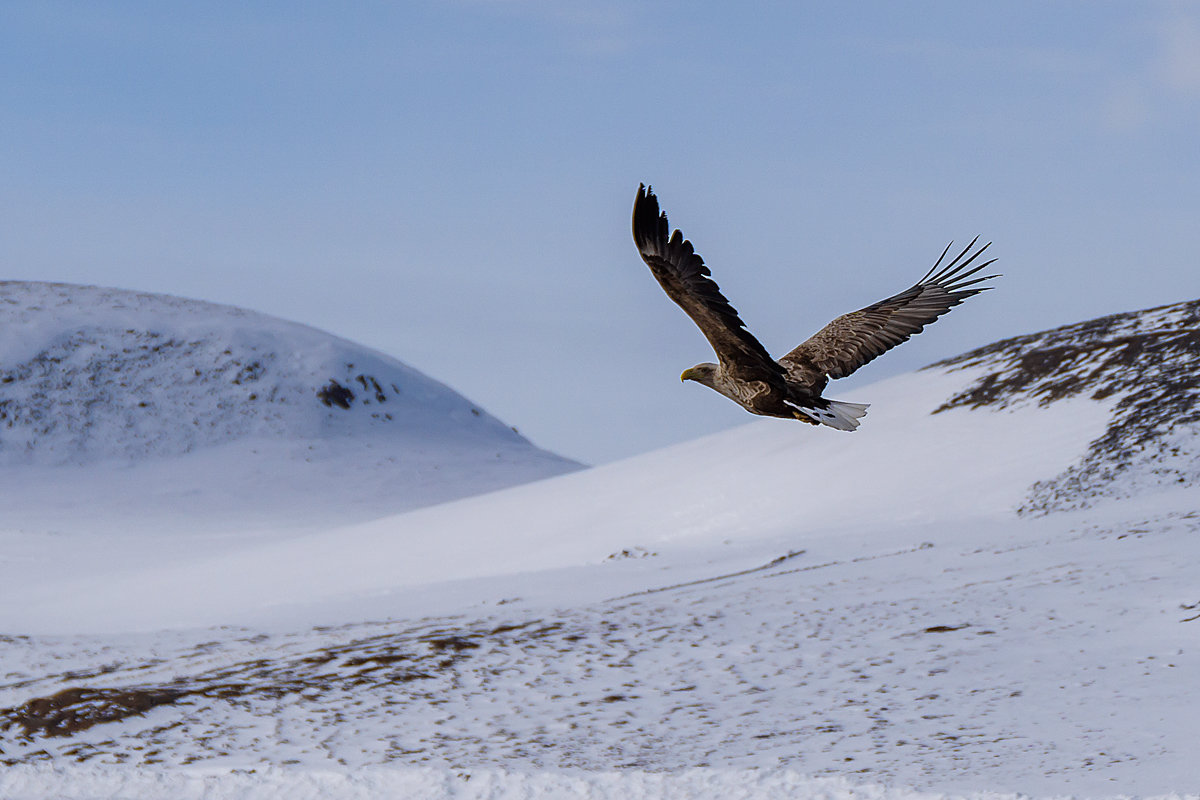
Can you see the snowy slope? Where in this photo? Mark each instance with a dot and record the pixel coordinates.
(748, 485)
(150, 406)
(902, 607)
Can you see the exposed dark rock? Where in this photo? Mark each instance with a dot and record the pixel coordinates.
(334, 394)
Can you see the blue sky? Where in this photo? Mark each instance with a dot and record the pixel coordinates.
(451, 182)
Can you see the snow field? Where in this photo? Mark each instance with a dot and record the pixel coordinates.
(267, 783)
(773, 611)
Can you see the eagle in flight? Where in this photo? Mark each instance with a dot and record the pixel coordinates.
(791, 387)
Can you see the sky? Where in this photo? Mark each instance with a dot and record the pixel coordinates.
(450, 181)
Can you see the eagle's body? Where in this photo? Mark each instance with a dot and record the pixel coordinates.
(792, 386)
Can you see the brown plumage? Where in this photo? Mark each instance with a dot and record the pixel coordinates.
(791, 387)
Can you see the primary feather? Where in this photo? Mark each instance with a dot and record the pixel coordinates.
(857, 338)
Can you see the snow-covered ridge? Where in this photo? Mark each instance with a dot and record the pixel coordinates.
(88, 373)
(1146, 364)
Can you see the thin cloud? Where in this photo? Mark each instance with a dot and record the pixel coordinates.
(1178, 62)
(1167, 78)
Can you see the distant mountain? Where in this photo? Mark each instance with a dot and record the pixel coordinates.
(92, 375)
(1144, 365)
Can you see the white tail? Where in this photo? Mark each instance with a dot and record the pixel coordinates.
(840, 414)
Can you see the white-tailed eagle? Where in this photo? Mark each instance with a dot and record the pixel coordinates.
(791, 387)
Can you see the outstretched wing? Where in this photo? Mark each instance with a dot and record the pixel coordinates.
(856, 338)
(684, 277)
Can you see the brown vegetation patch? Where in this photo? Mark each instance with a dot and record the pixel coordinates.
(77, 709)
(386, 660)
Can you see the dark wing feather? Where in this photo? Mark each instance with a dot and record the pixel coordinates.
(856, 338)
(684, 277)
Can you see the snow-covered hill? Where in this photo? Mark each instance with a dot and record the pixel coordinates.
(159, 406)
(1145, 364)
(775, 607)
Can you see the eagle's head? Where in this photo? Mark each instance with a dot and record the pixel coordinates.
(701, 373)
